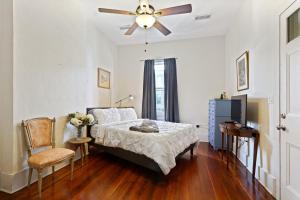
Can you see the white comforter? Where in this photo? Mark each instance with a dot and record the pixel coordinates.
(162, 147)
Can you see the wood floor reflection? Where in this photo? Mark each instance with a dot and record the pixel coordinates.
(109, 178)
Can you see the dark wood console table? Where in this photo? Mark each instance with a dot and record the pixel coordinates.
(235, 129)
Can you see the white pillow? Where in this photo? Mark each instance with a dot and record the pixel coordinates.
(127, 114)
(106, 116)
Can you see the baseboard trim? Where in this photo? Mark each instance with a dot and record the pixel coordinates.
(6, 191)
(11, 183)
(203, 133)
(266, 179)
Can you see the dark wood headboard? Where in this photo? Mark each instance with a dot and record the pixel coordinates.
(88, 128)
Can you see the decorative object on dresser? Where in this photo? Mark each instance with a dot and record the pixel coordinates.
(80, 120)
(40, 132)
(103, 78)
(242, 70)
(130, 97)
(223, 95)
(81, 144)
(219, 111)
(238, 130)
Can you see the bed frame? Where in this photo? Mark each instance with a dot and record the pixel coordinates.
(138, 159)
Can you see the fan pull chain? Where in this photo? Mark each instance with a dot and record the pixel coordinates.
(146, 41)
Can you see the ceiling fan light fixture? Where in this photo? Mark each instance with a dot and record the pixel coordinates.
(144, 4)
(145, 20)
(146, 16)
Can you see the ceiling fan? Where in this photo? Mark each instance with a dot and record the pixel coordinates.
(146, 16)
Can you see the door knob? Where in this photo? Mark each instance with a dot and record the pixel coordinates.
(283, 115)
(282, 128)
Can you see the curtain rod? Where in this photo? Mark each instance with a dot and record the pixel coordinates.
(156, 59)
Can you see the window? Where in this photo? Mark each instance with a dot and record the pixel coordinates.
(294, 25)
(160, 90)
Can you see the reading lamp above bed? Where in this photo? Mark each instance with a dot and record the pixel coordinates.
(130, 97)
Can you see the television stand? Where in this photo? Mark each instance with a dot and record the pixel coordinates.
(237, 130)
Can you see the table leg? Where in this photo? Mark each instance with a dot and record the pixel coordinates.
(81, 154)
(236, 146)
(227, 141)
(84, 150)
(256, 140)
(222, 149)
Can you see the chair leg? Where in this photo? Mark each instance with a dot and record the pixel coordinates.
(72, 167)
(29, 176)
(53, 169)
(40, 179)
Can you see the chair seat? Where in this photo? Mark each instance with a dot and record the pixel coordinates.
(49, 157)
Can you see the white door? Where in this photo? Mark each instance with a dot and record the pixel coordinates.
(290, 102)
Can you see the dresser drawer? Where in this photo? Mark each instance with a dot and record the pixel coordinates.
(223, 108)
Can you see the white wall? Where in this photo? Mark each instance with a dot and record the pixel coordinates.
(49, 67)
(100, 52)
(256, 29)
(6, 94)
(57, 50)
(200, 73)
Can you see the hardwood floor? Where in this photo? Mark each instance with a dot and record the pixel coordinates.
(106, 177)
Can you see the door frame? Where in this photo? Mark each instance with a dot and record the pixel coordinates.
(277, 92)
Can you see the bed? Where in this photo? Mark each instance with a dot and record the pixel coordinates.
(155, 151)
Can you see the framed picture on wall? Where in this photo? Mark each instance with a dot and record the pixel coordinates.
(103, 78)
(242, 70)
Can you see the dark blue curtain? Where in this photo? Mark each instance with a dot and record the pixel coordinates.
(171, 94)
(149, 96)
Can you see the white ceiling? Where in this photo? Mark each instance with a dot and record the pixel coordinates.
(182, 26)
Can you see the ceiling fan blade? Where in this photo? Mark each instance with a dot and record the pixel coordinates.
(162, 28)
(131, 29)
(114, 11)
(175, 10)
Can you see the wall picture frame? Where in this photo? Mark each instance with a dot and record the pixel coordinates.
(242, 71)
(103, 78)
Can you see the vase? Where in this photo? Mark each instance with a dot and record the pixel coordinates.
(79, 132)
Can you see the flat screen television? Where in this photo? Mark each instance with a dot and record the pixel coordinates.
(239, 109)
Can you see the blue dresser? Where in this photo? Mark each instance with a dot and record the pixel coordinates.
(219, 111)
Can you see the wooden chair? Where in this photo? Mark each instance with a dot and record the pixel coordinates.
(40, 132)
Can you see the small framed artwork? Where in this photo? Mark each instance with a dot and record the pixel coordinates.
(103, 78)
(242, 70)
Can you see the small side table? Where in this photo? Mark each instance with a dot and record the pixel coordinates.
(236, 129)
(80, 142)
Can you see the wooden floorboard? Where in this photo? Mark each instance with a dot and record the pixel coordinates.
(106, 177)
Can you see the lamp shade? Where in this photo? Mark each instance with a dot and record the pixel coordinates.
(145, 20)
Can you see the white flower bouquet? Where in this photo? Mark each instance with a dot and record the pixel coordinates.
(80, 120)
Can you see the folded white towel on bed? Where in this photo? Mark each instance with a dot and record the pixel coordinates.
(147, 126)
